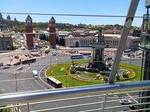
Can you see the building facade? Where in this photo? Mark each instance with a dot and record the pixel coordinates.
(6, 42)
(72, 41)
(29, 33)
(111, 40)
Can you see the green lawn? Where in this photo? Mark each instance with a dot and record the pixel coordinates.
(135, 68)
(61, 72)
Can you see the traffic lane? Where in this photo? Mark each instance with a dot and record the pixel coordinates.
(7, 86)
(29, 85)
(75, 105)
(6, 75)
(12, 74)
(25, 82)
(21, 76)
(21, 85)
(136, 61)
(61, 103)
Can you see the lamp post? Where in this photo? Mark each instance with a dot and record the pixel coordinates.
(16, 82)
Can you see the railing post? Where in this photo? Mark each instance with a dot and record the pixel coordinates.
(104, 103)
(16, 108)
(28, 106)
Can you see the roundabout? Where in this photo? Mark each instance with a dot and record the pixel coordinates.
(80, 78)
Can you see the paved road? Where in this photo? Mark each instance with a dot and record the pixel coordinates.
(134, 61)
(79, 104)
(25, 80)
(32, 84)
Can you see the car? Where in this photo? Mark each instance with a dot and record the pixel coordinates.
(20, 68)
(135, 106)
(23, 48)
(54, 53)
(125, 101)
(35, 74)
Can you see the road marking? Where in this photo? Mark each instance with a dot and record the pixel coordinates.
(66, 99)
(68, 106)
(40, 72)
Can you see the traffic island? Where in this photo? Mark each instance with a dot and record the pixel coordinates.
(62, 73)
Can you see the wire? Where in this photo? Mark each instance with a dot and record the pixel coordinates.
(65, 14)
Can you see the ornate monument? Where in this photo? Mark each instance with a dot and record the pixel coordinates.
(98, 54)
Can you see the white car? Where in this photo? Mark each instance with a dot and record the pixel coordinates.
(125, 101)
(20, 68)
(35, 74)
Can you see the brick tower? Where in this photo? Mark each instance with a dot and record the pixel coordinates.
(29, 29)
(52, 31)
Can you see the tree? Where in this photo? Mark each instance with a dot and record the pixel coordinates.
(8, 18)
(1, 17)
(15, 20)
(136, 33)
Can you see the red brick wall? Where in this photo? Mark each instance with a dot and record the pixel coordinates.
(29, 37)
(52, 36)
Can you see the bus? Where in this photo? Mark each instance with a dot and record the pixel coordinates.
(77, 56)
(29, 61)
(54, 82)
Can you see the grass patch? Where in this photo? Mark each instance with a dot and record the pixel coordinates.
(136, 69)
(62, 73)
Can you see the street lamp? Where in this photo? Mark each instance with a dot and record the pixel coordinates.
(16, 82)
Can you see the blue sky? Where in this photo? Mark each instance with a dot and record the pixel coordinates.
(107, 7)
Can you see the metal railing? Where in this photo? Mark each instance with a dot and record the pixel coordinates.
(97, 98)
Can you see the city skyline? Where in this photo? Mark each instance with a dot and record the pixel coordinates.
(73, 7)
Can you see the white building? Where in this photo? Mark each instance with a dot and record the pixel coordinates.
(112, 41)
(71, 41)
